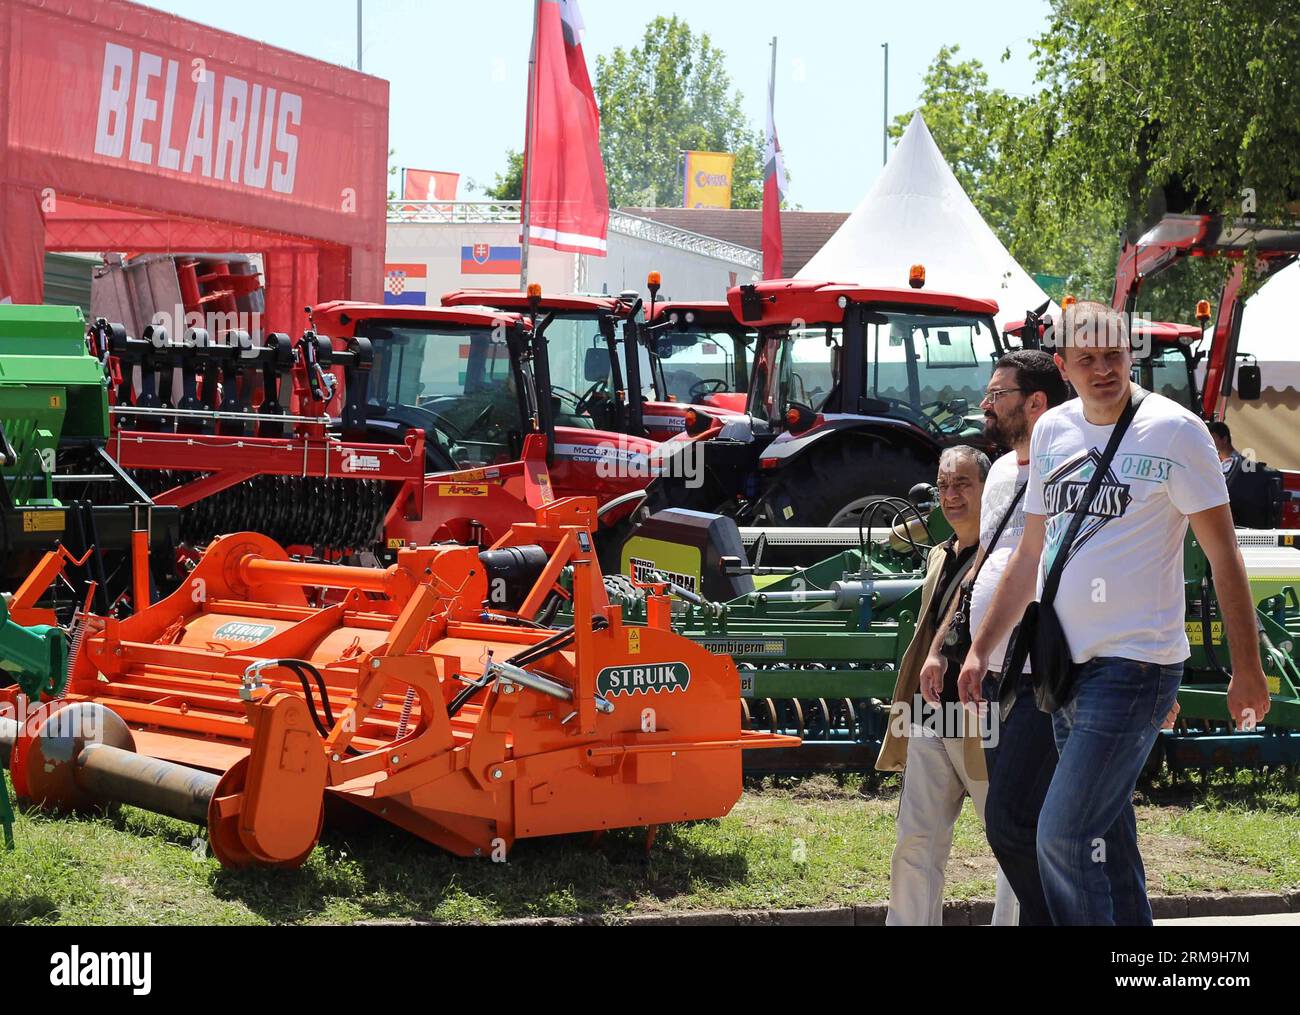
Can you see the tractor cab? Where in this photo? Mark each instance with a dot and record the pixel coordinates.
(701, 355)
(586, 342)
(464, 377)
(864, 386)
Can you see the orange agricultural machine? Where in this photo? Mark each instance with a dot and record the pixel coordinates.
(424, 693)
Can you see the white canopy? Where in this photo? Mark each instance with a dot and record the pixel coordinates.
(1270, 329)
(917, 213)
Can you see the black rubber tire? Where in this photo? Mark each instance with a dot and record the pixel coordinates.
(820, 487)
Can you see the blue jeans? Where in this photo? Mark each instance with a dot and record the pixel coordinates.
(1021, 762)
(1087, 832)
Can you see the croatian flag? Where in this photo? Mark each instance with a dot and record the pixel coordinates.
(406, 285)
(485, 259)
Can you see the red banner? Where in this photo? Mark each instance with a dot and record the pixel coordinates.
(427, 185)
(115, 105)
(564, 175)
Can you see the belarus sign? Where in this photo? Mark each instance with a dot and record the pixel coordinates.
(117, 86)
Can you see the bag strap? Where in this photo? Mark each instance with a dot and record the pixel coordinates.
(954, 584)
(1089, 495)
(997, 533)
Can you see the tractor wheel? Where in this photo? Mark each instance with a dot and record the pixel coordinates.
(834, 488)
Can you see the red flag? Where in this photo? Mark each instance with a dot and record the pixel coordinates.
(564, 175)
(775, 186)
(426, 185)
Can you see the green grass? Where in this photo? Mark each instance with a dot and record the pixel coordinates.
(820, 841)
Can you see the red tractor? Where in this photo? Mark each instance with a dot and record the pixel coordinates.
(702, 357)
(1177, 236)
(856, 391)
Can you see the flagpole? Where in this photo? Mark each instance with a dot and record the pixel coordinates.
(526, 216)
(359, 35)
(771, 85)
(884, 141)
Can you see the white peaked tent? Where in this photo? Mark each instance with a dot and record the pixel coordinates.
(1270, 331)
(917, 213)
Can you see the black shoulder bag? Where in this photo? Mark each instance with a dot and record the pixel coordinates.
(957, 639)
(1040, 637)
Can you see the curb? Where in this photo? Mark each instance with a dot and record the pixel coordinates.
(964, 913)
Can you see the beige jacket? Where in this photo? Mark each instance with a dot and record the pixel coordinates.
(893, 752)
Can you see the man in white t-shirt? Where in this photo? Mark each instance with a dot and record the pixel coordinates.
(1121, 608)
(1021, 759)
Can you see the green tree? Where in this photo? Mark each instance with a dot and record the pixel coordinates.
(508, 186)
(1184, 105)
(670, 94)
(1056, 214)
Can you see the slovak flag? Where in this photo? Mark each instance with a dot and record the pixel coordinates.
(406, 285)
(775, 187)
(564, 174)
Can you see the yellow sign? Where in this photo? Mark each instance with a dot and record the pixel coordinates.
(1195, 630)
(708, 179)
(397, 544)
(633, 641)
(462, 490)
(44, 521)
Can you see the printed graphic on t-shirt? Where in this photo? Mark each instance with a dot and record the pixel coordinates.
(1063, 494)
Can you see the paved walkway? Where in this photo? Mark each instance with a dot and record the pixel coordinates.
(1278, 920)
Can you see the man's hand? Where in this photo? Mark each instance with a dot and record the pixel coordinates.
(1248, 700)
(1172, 718)
(932, 674)
(970, 681)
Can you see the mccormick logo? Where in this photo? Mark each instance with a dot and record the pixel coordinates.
(361, 463)
(633, 680)
(248, 634)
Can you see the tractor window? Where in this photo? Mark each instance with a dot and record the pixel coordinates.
(800, 365)
(1166, 372)
(582, 376)
(697, 364)
(456, 385)
(930, 368)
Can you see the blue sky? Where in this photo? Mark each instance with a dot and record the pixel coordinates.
(459, 70)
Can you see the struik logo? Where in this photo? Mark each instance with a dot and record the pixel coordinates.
(653, 679)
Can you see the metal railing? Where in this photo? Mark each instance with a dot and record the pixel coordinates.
(488, 212)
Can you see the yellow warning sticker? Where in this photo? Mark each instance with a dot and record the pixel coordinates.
(397, 544)
(633, 641)
(1195, 630)
(1274, 685)
(44, 521)
(462, 490)
(56, 401)
(1288, 540)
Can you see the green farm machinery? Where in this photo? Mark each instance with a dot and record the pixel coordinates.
(60, 487)
(817, 647)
